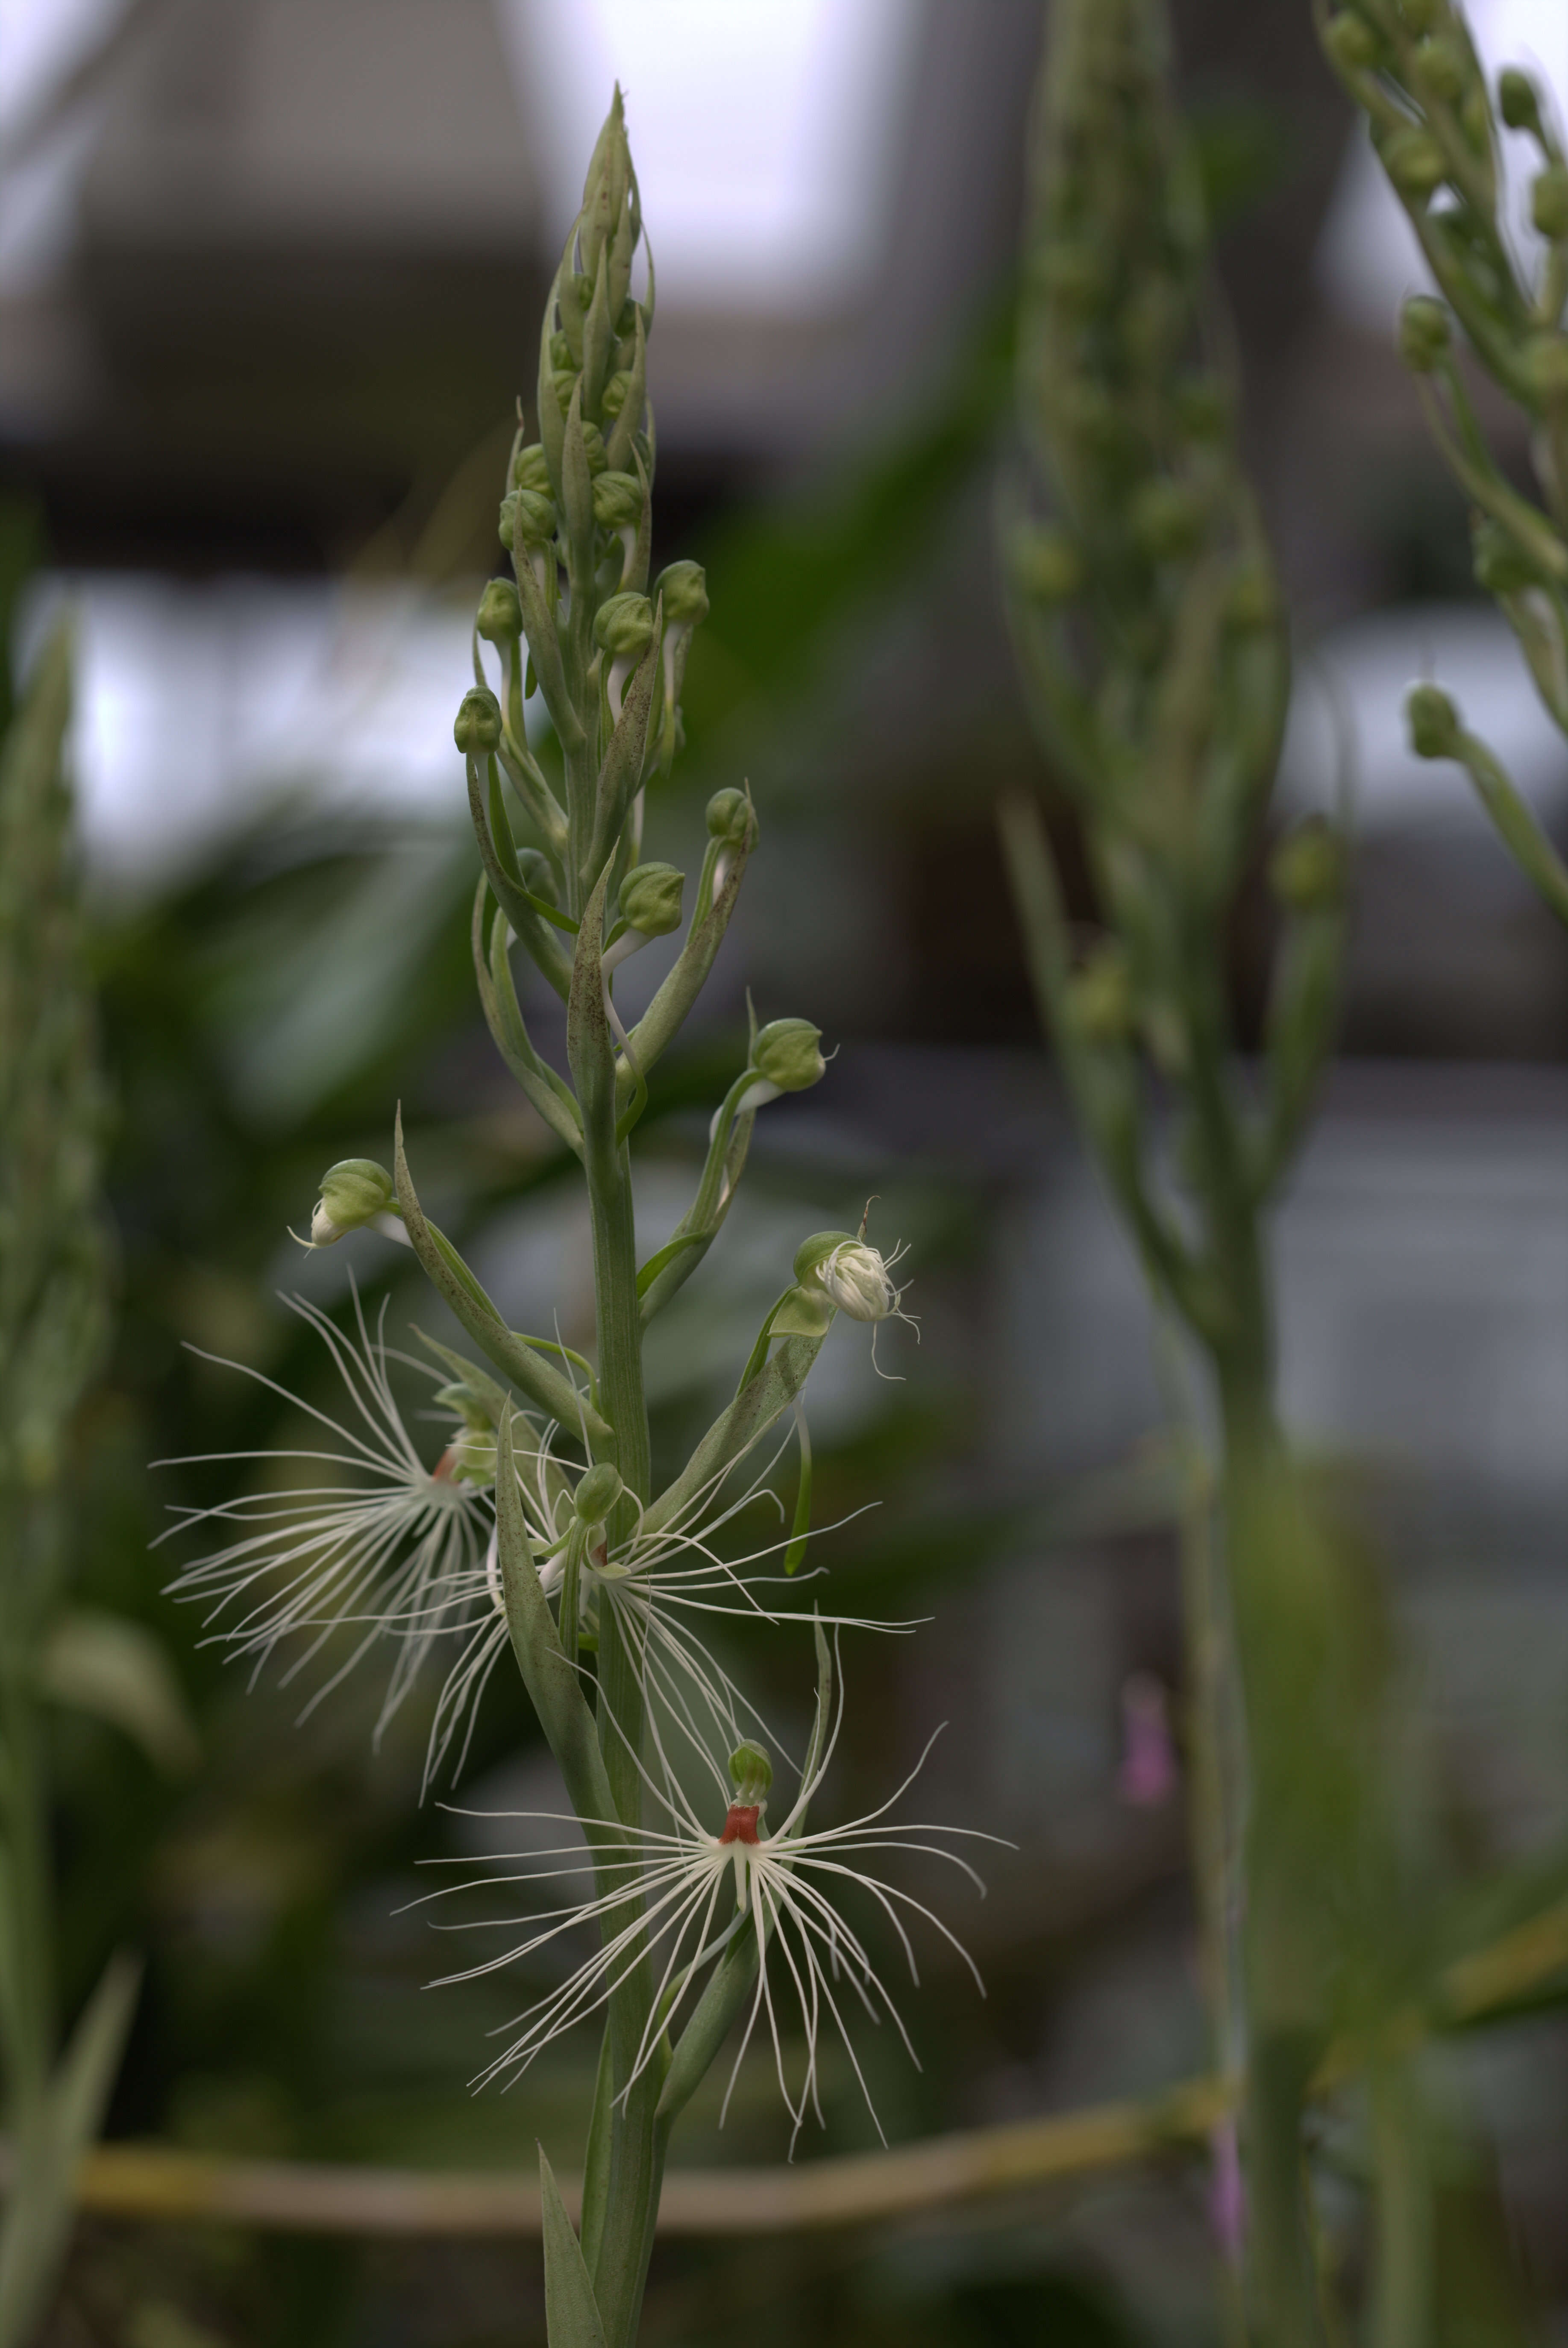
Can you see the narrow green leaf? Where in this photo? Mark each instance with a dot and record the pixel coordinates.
(103, 1663)
(596, 2161)
(801, 1527)
(570, 2316)
(38, 2210)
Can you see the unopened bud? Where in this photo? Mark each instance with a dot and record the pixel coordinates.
(684, 586)
(594, 443)
(1548, 201)
(617, 501)
(787, 1054)
(1351, 43)
(623, 626)
(527, 519)
(478, 727)
(854, 1275)
(1546, 365)
(598, 1490)
(538, 874)
(354, 1192)
(1414, 161)
(1517, 100)
(1424, 333)
(650, 899)
(1442, 63)
(499, 616)
(613, 397)
(1433, 721)
(1102, 999)
(562, 359)
(731, 818)
(1420, 15)
(751, 1775)
(1046, 565)
(530, 471)
(1501, 566)
(1307, 871)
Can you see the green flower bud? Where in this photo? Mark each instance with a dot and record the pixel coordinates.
(788, 1055)
(499, 615)
(538, 877)
(564, 383)
(613, 397)
(1546, 367)
(478, 727)
(1046, 565)
(562, 359)
(623, 626)
(527, 519)
(1424, 333)
(1548, 201)
(751, 1775)
(1414, 161)
(472, 1457)
(593, 442)
(354, 1192)
(1433, 721)
(1501, 565)
(684, 586)
(650, 899)
(1168, 518)
(1442, 64)
(1420, 15)
(1351, 43)
(1100, 997)
(854, 1275)
(598, 1490)
(1518, 101)
(732, 818)
(1306, 871)
(460, 1399)
(617, 501)
(530, 471)
(1475, 117)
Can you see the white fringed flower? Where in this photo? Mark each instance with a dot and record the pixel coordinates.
(385, 1546)
(698, 1889)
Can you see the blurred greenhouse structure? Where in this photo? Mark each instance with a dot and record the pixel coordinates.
(271, 273)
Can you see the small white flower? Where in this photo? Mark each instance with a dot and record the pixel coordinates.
(698, 1889)
(390, 1547)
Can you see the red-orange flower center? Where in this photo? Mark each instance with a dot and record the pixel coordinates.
(741, 1825)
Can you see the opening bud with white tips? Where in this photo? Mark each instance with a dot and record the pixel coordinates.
(683, 588)
(856, 1277)
(353, 1193)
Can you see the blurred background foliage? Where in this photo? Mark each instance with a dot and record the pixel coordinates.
(253, 394)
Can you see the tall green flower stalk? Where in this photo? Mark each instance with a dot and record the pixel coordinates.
(1440, 132)
(1154, 651)
(54, 1290)
(541, 1527)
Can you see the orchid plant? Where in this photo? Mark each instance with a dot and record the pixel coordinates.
(540, 1529)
